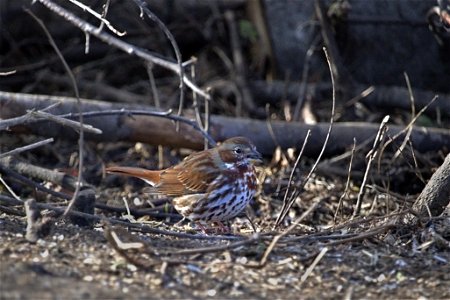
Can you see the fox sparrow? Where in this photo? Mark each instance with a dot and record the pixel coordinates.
(213, 185)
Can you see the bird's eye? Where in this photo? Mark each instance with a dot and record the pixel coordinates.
(237, 150)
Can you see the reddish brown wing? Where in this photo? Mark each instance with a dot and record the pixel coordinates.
(192, 176)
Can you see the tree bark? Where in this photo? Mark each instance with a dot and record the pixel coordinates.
(436, 194)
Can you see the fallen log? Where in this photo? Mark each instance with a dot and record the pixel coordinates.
(160, 131)
(383, 97)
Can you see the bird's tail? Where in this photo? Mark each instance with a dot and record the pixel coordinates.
(149, 176)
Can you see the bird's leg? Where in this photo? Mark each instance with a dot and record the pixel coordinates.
(251, 222)
(202, 228)
(223, 228)
(179, 222)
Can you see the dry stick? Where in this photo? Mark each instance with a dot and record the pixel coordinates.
(410, 124)
(140, 227)
(340, 73)
(207, 117)
(195, 103)
(138, 212)
(291, 201)
(239, 65)
(313, 265)
(151, 78)
(26, 148)
(101, 17)
(78, 126)
(60, 178)
(12, 211)
(270, 127)
(363, 235)
(143, 7)
(303, 82)
(407, 135)
(406, 139)
(113, 236)
(126, 47)
(347, 184)
(122, 248)
(8, 73)
(285, 200)
(254, 238)
(157, 105)
(329, 233)
(40, 115)
(77, 95)
(416, 166)
(319, 237)
(413, 114)
(377, 144)
(366, 92)
(8, 188)
(284, 233)
(29, 182)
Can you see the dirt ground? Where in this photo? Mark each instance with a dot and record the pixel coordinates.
(364, 258)
(77, 263)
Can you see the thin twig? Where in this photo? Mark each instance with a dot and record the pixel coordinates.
(285, 208)
(304, 79)
(139, 212)
(151, 77)
(347, 183)
(138, 226)
(126, 47)
(291, 200)
(239, 65)
(285, 232)
(313, 265)
(8, 188)
(77, 95)
(8, 73)
(78, 126)
(99, 17)
(364, 235)
(377, 144)
(143, 6)
(219, 248)
(29, 182)
(413, 115)
(33, 116)
(26, 148)
(410, 124)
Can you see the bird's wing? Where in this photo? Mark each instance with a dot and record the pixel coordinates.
(192, 176)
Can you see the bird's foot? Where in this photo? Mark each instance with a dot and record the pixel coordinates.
(220, 229)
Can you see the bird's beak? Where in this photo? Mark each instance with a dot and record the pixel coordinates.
(255, 157)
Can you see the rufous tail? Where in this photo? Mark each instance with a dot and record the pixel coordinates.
(149, 176)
